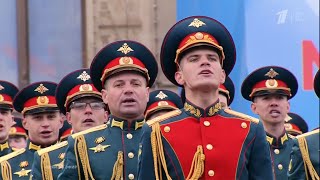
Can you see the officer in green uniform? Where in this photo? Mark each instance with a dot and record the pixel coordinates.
(270, 88)
(42, 119)
(295, 124)
(7, 93)
(123, 71)
(18, 135)
(81, 102)
(305, 160)
(161, 102)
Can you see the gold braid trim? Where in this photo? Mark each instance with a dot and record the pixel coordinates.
(156, 144)
(118, 167)
(197, 166)
(46, 167)
(303, 145)
(83, 154)
(6, 170)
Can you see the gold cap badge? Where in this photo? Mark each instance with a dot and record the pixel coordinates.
(125, 49)
(84, 76)
(41, 89)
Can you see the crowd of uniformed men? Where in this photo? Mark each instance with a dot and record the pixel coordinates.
(102, 122)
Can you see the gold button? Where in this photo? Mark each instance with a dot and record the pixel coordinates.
(209, 146)
(280, 166)
(276, 151)
(131, 176)
(129, 136)
(130, 155)
(244, 125)
(211, 173)
(167, 129)
(206, 123)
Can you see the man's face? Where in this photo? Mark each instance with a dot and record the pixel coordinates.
(43, 127)
(6, 121)
(200, 69)
(272, 108)
(127, 95)
(85, 113)
(17, 142)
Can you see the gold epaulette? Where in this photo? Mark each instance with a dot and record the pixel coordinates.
(308, 133)
(164, 117)
(11, 155)
(241, 115)
(96, 128)
(52, 148)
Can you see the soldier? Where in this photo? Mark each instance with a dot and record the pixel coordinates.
(123, 71)
(161, 102)
(270, 88)
(42, 119)
(7, 93)
(305, 161)
(226, 93)
(82, 104)
(18, 135)
(202, 141)
(295, 124)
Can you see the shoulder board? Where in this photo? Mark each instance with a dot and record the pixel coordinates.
(93, 129)
(241, 115)
(164, 117)
(309, 133)
(11, 155)
(52, 148)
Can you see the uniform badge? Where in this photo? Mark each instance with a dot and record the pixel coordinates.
(1, 87)
(61, 164)
(23, 172)
(99, 148)
(197, 23)
(161, 95)
(84, 76)
(125, 49)
(41, 89)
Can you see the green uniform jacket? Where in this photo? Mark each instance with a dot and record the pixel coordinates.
(48, 162)
(18, 164)
(304, 162)
(280, 154)
(109, 151)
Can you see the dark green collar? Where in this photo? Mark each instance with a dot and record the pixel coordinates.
(277, 142)
(124, 124)
(198, 112)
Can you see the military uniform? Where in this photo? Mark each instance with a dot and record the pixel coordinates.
(295, 124)
(49, 162)
(162, 100)
(35, 98)
(279, 81)
(110, 151)
(305, 162)
(280, 153)
(7, 93)
(196, 143)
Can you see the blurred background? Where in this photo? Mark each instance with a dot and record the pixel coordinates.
(45, 40)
